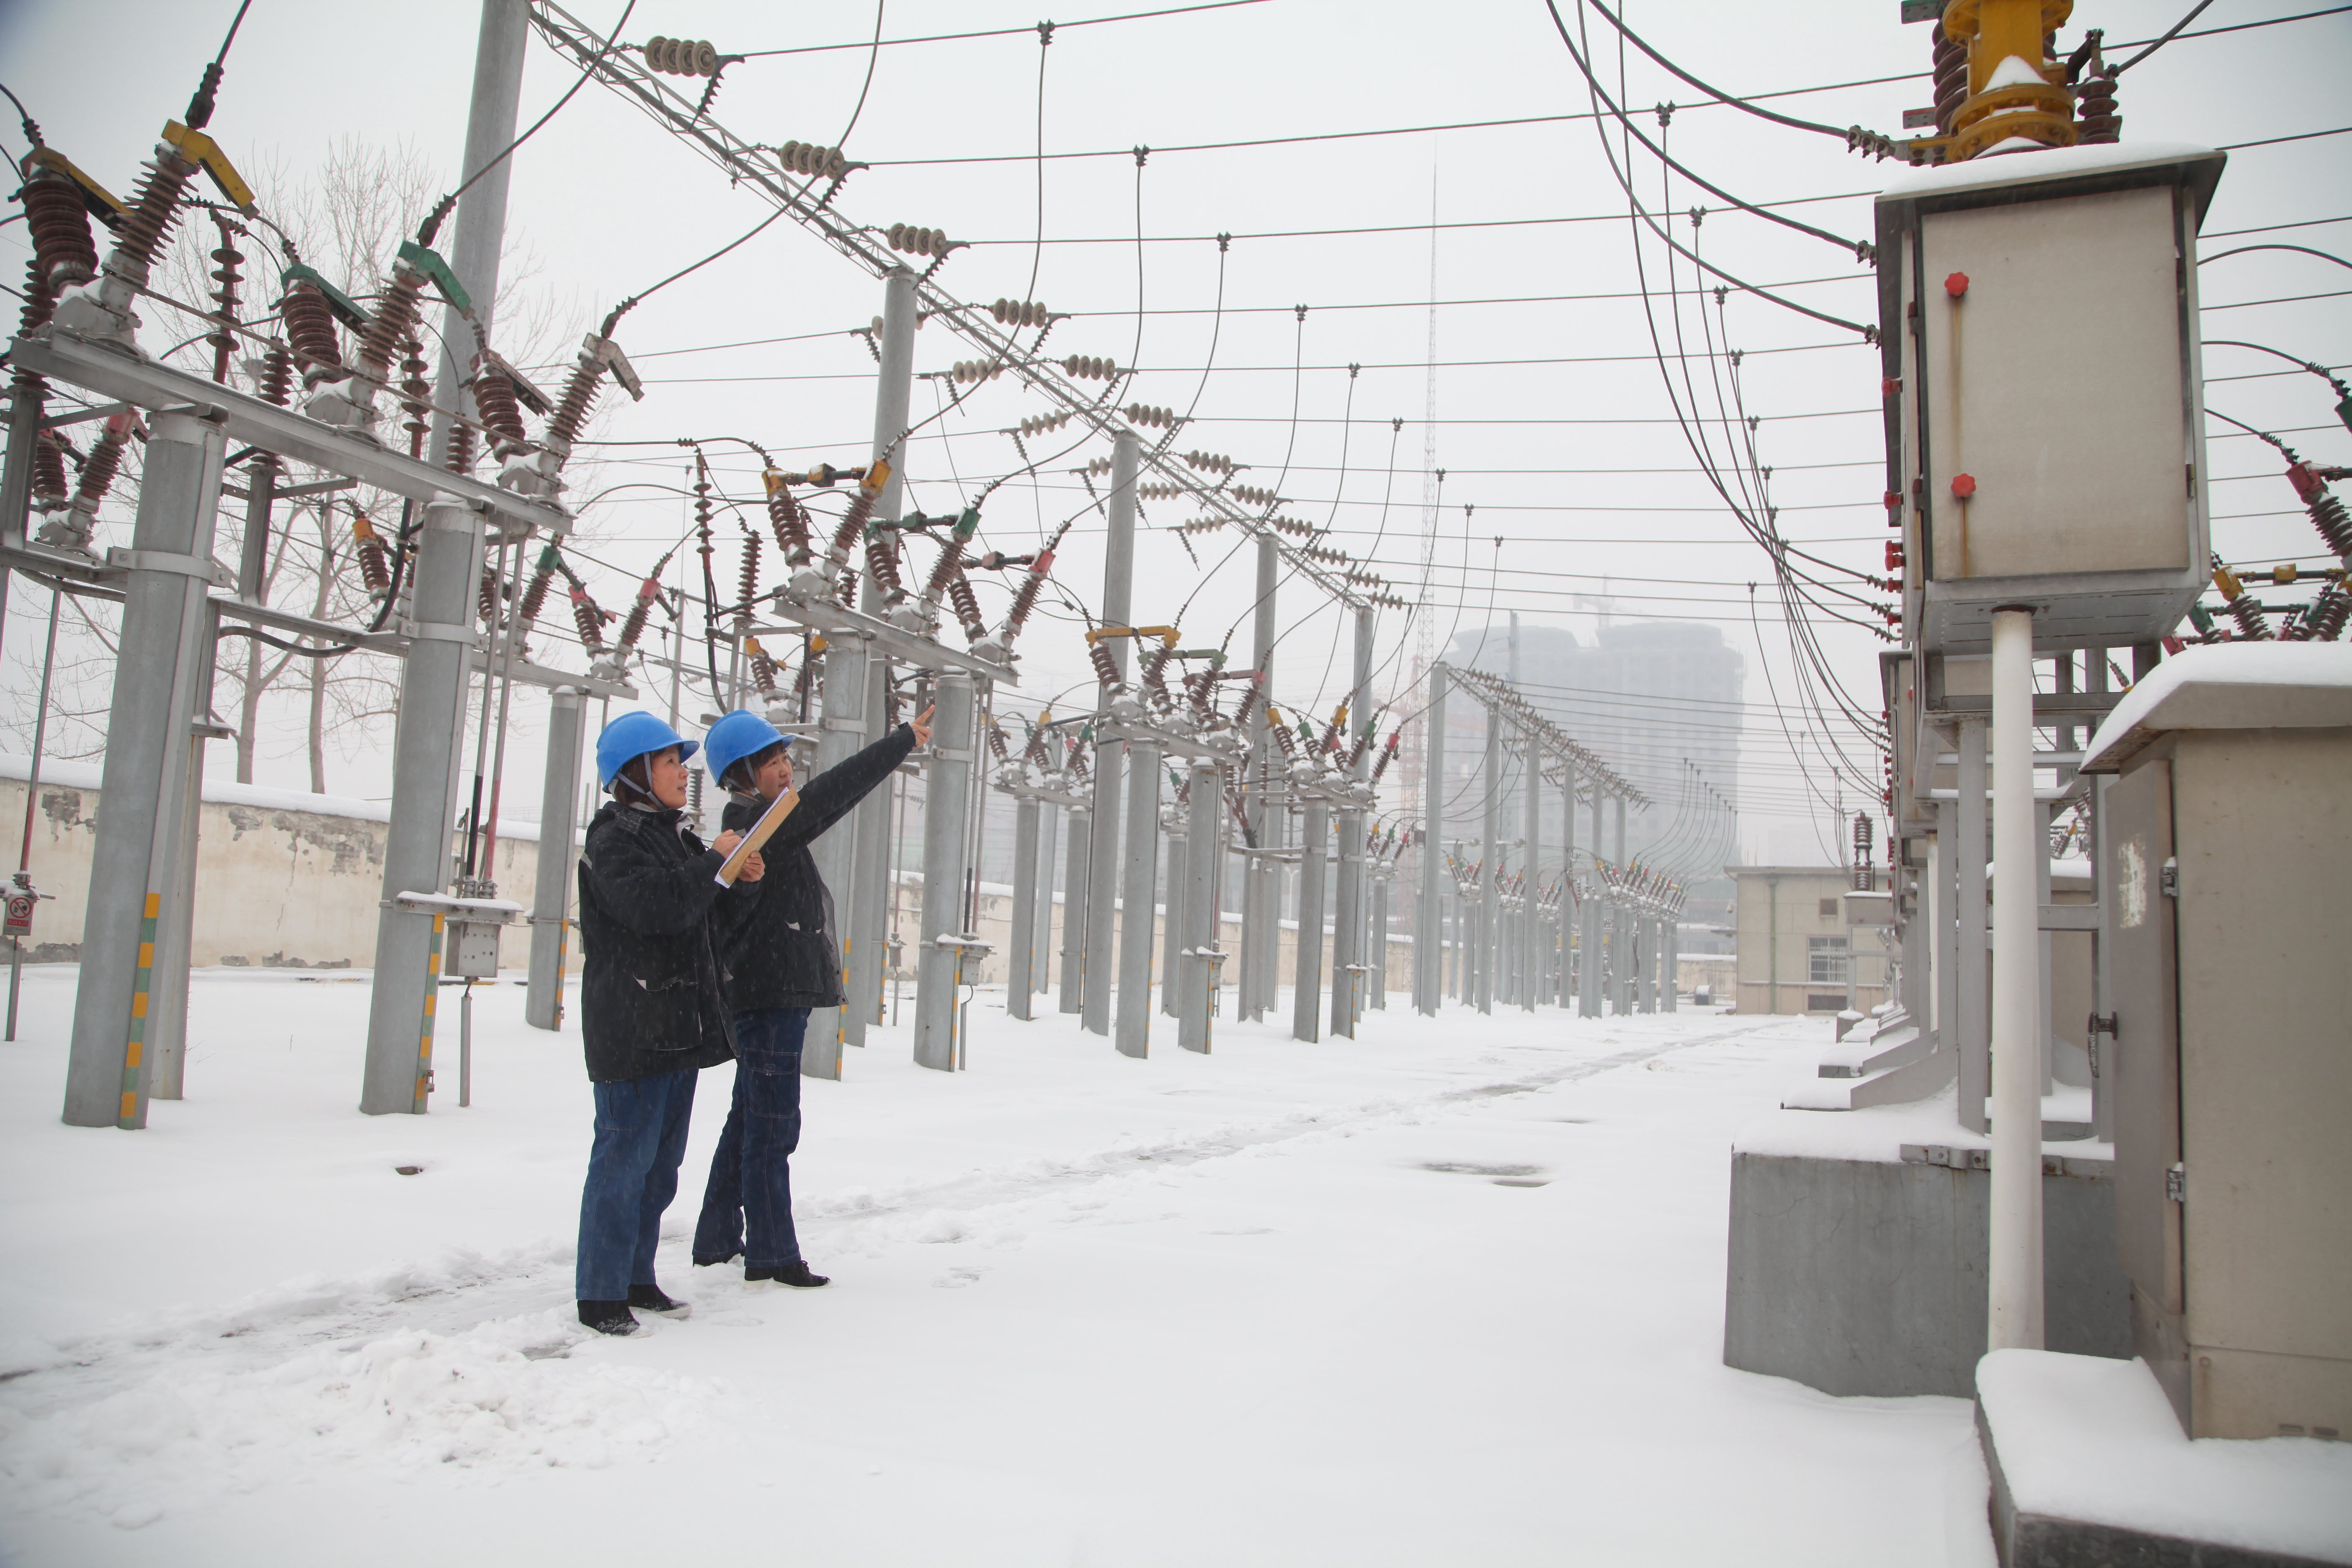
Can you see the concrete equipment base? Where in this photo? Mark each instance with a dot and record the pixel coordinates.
(1853, 1270)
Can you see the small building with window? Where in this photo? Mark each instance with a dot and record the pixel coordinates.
(1803, 945)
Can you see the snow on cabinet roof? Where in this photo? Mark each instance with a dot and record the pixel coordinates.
(2043, 163)
(2229, 686)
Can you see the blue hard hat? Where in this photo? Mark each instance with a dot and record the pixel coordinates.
(736, 735)
(632, 735)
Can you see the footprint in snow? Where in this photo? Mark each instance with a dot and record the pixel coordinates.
(957, 1278)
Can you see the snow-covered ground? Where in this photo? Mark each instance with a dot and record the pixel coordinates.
(1451, 1293)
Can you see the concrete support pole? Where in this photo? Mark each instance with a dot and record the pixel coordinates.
(866, 921)
(1490, 882)
(135, 860)
(1429, 928)
(1041, 941)
(550, 900)
(2013, 1266)
(1567, 871)
(1348, 976)
(1020, 968)
(1974, 1027)
(1648, 929)
(1377, 947)
(1137, 890)
(1178, 832)
(842, 736)
(167, 1004)
(939, 967)
(1944, 1003)
(478, 235)
(1074, 909)
(1590, 960)
(1670, 959)
(1531, 922)
(1103, 856)
(1262, 880)
(1307, 996)
(1199, 979)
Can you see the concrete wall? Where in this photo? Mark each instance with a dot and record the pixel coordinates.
(1868, 1276)
(283, 879)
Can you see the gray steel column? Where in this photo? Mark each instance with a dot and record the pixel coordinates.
(479, 234)
(1973, 969)
(840, 735)
(1670, 952)
(144, 782)
(1274, 834)
(1074, 908)
(551, 898)
(1019, 962)
(433, 685)
(1531, 919)
(1103, 856)
(1136, 887)
(867, 924)
(1942, 912)
(1647, 929)
(947, 796)
(1378, 954)
(1201, 851)
(1588, 957)
(1567, 991)
(1429, 927)
(1490, 885)
(1262, 880)
(1307, 996)
(167, 998)
(1177, 830)
(1348, 893)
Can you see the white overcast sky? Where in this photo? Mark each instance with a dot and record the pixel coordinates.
(609, 203)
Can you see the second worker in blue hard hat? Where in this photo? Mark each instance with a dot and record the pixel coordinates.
(782, 962)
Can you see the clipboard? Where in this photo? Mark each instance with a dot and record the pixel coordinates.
(758, 834)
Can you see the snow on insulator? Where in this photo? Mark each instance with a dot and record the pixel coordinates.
(1254, 496)
(1387, 601)
(1325, 552)
(681, 57)
(969, 371)
(1159, 491)
(809, 159)
(1038, 424)
(1209, 462)
(1204, 525)
(1020, 312)
(1086, 369)
(1291, 526)
(912, 241)
(1144, 413)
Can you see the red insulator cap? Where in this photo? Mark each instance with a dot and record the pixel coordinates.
(1957, 284)
(1964, 485)
(2306, 484)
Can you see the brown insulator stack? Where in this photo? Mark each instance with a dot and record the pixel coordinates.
(967, 607)
(844, 592)
(586, 617)
(578, 397)
(226, 279)
(648, 592)
(461, 447)
(748, 581)
(1387, 756)
(375, 562)
(48, 473)
(804, 680)
(154, 208)
(1106, 666)
(1153, 675)
(2324, 621)
(791, 525)
(63, 251)
(413, 392)
(1024, 598)
(104, 462)
(1076, 764)
(852, 525)
(392, 320)
(943, 571)
(275, 384)
(2094, 111)
(1950, 67)
(997, 747)
(1281, 734)
(1363, 743)
(494, 400)
(2328, 513)
(1331, 731)
(2239, 607)
(882, 564)
(1252, 695)
(765, 677)
(542, 578)
(489, 595)
(310, 325)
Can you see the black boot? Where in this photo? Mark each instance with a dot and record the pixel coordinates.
(795, 1273)
(608, 1317)
(715, 1262)
(652, 1298)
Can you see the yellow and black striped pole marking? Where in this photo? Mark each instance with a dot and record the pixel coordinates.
(133, 1114)
(432, 998)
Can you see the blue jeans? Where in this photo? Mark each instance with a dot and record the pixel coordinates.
(632, 1176)
(750, 1175)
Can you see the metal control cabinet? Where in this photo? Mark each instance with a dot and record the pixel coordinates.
(2229, 838)
(2044, 391)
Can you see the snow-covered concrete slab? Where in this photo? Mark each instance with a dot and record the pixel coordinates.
(2228, 686)
(2087, 1442)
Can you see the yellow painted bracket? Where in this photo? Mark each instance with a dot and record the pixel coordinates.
(1167, 634)
(100, 201)
(200, 148)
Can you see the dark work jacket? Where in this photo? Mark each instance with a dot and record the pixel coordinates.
(782, 951)
(652, 921)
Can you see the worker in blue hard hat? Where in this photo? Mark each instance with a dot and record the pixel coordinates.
(653, 1008)
(782, 962)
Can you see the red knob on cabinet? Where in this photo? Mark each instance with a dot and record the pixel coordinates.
(1964, 485)
(1957, 284)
